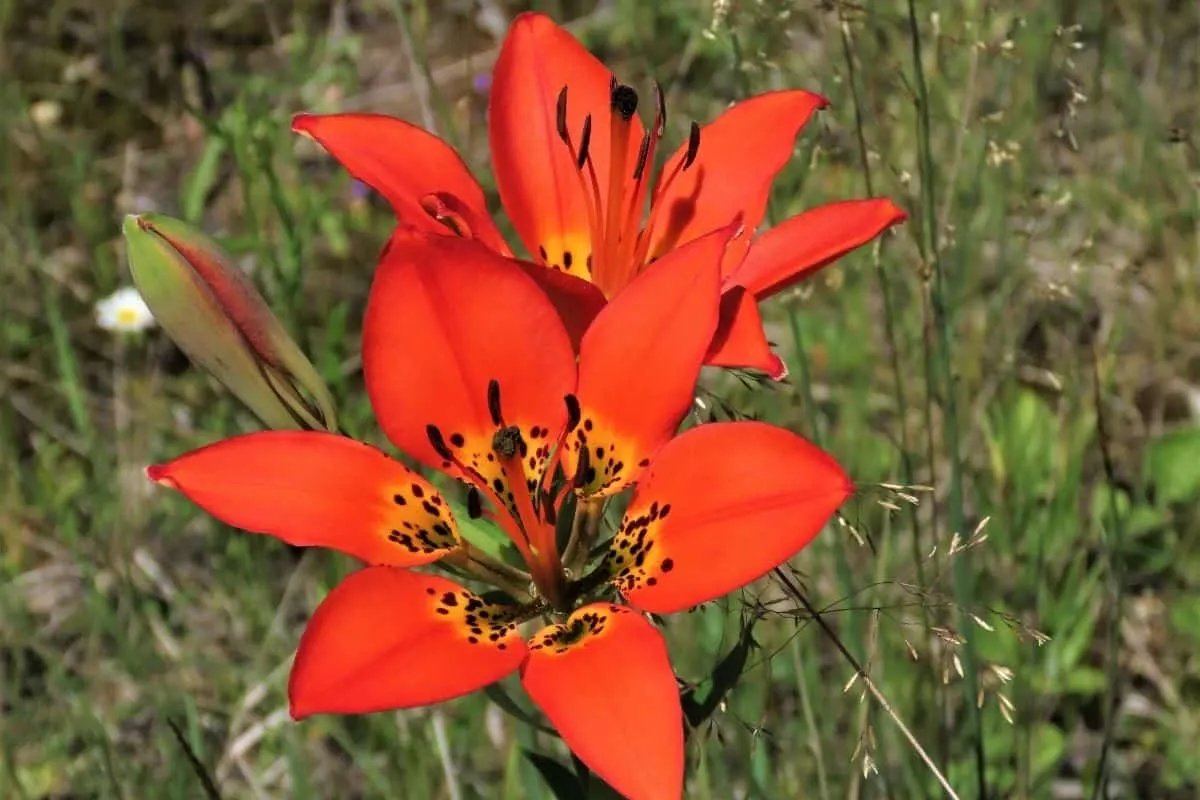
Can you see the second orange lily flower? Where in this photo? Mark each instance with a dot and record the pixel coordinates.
(573, 165)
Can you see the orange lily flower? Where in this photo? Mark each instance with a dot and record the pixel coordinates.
(574, 163)
(470, 371)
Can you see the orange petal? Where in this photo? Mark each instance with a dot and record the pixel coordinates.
(538, 180)
(389, 638)
(404, 163)
(721, 505)
(740, 153)
(639, 362)
(317, 490)
(740, 341)
(604, 681)
(577, 300)
(796, 248)
(445, 320)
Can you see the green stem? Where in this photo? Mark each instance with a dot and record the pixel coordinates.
(930, 248)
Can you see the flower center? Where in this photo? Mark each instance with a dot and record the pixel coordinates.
(616, 202)
(508, 467)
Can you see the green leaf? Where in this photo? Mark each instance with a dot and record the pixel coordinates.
(203, 178)
(725, 676)
(567, 785)
(1049, 744)
(562, 782)
(211, 309)
(1173, 466)
(504, 701)
(487, 537)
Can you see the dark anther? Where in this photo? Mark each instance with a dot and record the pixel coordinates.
(582, 469)
(507, 441)
(624, 101)
(561, 115)
(584, 140)
(573, 412)
(662, 110)
(474, 504)
(439, 444)
(693, 146)
(549, 512)
(643, 154)
(494, 402)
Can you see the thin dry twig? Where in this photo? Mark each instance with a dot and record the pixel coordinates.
(800, 597)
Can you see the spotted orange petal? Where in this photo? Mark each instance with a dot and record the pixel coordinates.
(796, 248)
(740, 153)
(317, 490)
(639, 362)
(740, 341)
(721, 505)
(405, 164)
(389, 638)
(605, 682)
(538, 179)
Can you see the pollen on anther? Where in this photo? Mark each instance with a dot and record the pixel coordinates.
(624, 101)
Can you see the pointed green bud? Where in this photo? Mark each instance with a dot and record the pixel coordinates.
(211, 309)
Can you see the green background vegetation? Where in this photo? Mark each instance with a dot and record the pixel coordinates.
(1028, 345)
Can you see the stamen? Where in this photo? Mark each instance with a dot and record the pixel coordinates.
(474, 503)
(574, 414)
(661, 101)
(561, 116)
(493, 402)
(589, 186)
(627, 252)
(585, 139)
(439, 444)
(689, 158)
(643, 154)
(693, 146)
(542, 558)
(582, 466)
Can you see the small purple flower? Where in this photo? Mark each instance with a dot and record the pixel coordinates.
(359, 190)
(482, 82)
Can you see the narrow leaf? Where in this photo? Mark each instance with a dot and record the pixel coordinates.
(725, 676)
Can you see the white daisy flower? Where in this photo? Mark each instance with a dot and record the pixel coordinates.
(124, 311)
